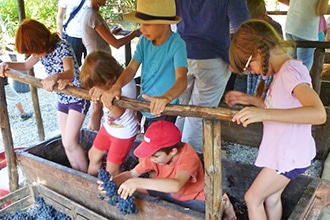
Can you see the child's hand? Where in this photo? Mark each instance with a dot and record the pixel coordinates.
(157, 104)
(63, 83)
(109, 95)
(49, 82)
(96, 93)
(249, 115)
(235, 97)
(128, 188)
(3, 68)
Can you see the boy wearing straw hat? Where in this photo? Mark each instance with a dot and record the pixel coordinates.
(163, 56)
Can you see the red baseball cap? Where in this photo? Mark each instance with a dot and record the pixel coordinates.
(160, 134)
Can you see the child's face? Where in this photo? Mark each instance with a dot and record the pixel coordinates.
(153, 31)
(162, 158)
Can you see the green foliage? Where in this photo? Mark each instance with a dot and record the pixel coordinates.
(45, 11)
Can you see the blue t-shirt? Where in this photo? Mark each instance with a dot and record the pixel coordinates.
(159, 64)
(53, 63)
(204, 25)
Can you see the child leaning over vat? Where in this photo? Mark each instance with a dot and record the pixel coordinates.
(115, 138)
(175, 170)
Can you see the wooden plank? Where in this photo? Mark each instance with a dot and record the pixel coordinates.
(82, 188)
(212, 165)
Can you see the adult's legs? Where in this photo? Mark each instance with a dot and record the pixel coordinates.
(70, 125)
(210, 79)
(263, 198)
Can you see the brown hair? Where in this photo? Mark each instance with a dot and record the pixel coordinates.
(99, 69)
(167, 150)
(33, 37)
(251, 36)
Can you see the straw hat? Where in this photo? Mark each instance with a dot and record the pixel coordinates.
(154, 12)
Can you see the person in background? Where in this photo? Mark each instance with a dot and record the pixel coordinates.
(96, 35)
(162, 54)
(73, 29)
(57, 56)
(288, 112)
(302, 24)
(11, 95)
(205, 29)
(115, 138)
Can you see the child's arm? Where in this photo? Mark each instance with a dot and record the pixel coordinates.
(322, 7)
(236, 97)
(104, 32)
(65, 77)
(158, 104)
(311, 112)
(18, 66)
(125, 77)
(167, 185)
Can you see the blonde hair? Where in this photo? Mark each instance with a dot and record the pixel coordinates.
(33, 37)
(100, 68)
(257, 8)
(251, 36)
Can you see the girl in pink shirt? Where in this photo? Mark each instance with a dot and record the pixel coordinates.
(290, 108)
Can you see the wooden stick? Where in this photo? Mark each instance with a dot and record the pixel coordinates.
(178, 110)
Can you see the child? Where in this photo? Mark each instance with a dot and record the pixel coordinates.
(290, 108)
(97, 36)
(163, 57)
(56, 55)
(98, 73)
(177, 172)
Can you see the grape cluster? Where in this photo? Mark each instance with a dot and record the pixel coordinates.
(40, 211)
(125, 206)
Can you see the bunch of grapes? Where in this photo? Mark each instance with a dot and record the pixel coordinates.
(40, 211)
(125, 206)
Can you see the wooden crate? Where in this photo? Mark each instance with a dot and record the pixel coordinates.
(24, 198)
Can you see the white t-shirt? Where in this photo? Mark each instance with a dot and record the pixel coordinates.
(127, 125)
(302, 20)
(74, 27)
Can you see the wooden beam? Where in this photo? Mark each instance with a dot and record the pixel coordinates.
(212, 166)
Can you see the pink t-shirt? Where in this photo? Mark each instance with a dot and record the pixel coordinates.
(187, 161)
(285, 146)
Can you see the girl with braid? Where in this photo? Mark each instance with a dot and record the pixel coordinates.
(288, 111)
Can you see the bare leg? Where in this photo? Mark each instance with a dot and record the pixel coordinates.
(95, 160)
(20, 108)
(228, 209)
(70, 125)
(96, 115)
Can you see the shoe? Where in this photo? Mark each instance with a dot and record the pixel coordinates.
(26, 116)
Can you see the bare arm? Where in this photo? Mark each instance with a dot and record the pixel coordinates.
(311, 112)
(125, 77)
(322, 7)
(60, 19)
(104, 32)
(167, 185)
(19, 66)
(158, 104)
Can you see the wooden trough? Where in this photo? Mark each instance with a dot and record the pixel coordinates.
(46, 163)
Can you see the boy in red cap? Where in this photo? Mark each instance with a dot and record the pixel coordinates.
(175, 170)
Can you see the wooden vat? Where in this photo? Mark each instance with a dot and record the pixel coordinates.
(46, 163)
(24, 198)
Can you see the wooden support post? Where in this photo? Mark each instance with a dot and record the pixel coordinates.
(7, 140)
(317, 68)
(36, 107)
(212, 165)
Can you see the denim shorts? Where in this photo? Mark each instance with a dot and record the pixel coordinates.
(82, 107)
